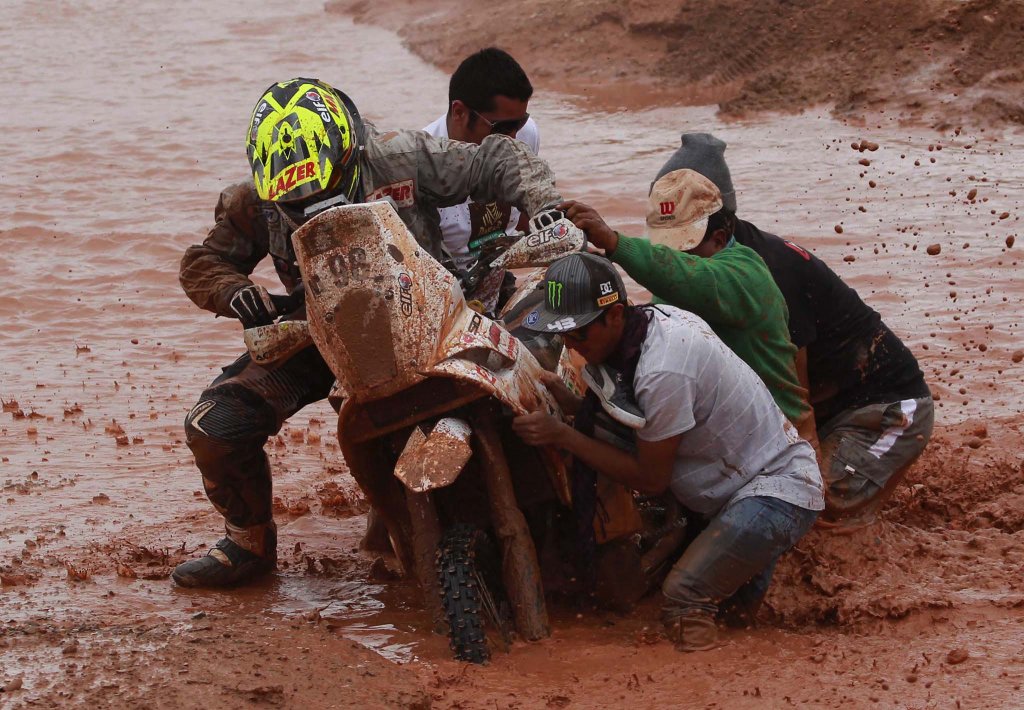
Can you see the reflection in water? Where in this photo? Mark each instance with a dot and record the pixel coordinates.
(348, 600)
(382, 640)
(388, 629)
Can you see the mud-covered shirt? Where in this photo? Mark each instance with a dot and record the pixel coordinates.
(416, 172)
(470, 220)
(734, 292)
(853, 359)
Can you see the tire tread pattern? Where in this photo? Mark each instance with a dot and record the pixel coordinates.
(460, 596)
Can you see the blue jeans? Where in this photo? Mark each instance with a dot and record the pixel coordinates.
(728, 567)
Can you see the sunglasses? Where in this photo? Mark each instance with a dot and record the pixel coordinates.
(580, 334)
(506, 126)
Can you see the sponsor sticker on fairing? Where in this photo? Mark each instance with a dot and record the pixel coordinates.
(405, 293)
(546, 236)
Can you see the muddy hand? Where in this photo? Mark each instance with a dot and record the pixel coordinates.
(539, 428)
(567, 400)
(587, 218)
(253, 306)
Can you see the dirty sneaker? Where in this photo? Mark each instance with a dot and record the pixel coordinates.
(226, 564)
(617, 397)
(693, 633)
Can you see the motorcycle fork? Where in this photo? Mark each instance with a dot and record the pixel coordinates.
(426, 538)
(520, 570)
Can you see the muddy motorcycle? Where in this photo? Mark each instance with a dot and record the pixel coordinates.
(430, 386)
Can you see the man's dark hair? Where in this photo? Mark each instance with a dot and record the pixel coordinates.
(488, 73)
(724, 218)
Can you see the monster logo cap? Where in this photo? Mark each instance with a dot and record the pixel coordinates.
(577, 288)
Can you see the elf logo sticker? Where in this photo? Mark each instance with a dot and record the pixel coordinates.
(554, 294)
(405, 293)
(668, 208)
(532, 318)
(551, 234)
(319, 104)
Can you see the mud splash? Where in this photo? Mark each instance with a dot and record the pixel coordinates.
(104, 355)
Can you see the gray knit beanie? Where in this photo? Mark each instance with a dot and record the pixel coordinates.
(705, 154)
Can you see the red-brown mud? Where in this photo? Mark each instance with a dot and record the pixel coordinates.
(120, 137)
(946, 62)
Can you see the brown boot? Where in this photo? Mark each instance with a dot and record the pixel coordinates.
(693, 633)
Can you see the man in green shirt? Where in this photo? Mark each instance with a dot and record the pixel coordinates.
(691, 261)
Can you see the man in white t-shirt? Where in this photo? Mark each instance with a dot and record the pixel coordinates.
(488, 93)
(710, 432)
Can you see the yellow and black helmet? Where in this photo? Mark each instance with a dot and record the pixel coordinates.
(304, 139)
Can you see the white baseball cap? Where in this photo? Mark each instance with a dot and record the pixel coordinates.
(679, 207)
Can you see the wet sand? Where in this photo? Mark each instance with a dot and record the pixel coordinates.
(125, 137)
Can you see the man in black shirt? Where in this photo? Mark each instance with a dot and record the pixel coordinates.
(873, 410)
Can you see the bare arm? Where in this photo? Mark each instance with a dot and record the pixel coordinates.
(568, 400)
(649, 471)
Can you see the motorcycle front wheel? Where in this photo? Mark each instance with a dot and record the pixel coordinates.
(469, 575)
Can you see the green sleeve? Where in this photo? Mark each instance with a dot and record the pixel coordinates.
(726, 289)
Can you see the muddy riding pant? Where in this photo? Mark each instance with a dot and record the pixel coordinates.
(228, 427)
(726, 570)
(866, 452)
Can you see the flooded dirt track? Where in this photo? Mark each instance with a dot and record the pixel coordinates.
(126, 123)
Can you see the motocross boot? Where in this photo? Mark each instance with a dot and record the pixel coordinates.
(616, 395)
(229, 564)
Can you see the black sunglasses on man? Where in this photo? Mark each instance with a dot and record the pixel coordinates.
(506, 126)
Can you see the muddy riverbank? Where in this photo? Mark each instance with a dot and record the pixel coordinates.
(943, 63)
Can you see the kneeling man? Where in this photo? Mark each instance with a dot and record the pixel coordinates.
(711, 433)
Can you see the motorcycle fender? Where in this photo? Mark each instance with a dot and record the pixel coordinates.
(435, 460)
(514, 389)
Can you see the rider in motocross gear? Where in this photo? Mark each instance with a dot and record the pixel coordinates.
(309, 150)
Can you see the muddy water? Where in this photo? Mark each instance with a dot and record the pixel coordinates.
(129, 122)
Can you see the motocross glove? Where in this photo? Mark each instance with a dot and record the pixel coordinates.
(253, 306)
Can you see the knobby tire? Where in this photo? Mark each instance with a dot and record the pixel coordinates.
(461, 574)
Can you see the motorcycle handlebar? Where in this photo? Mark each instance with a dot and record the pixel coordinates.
(288, 304)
